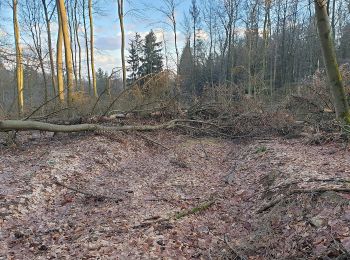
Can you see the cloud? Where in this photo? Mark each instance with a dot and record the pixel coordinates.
(109, 43)
(113, 42)
(107, 60)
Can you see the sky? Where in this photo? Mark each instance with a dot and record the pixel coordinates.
(138, 18)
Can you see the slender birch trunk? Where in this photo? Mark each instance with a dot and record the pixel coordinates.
(86, 49)
(92, 49)
(19, 66)
(121, 22)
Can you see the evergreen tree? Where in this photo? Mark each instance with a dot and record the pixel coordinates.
(134, 58)
(101, 81)
(152, 60)
(186, 67)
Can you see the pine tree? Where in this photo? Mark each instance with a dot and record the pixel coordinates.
(134, 59)
(152, 60)
(101, 81)
(186, 67)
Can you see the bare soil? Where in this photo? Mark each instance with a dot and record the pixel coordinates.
(122, 193)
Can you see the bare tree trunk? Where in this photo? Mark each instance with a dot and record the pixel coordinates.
(86, 48)
(59, 60)
(333, 19)
(175, 42)
(121, 22)
(92, 49)
(68, 50)
(337, 88)
(71, 23)
(48, 29)
(266, 37)
(76, 29)
(19, 66)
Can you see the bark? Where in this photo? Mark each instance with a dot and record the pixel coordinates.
(86, 48)
(19, 66)
(48, 29)
(329, 55)
(59, 61)
(92, 49)
(76, 30)
(67, 48)
(71, 23)
(175, 41)
(121, 22)
(19, 125)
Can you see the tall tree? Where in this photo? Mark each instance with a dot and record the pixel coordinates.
(59, 60)
(19, 66)
(67, 48)
(49, 42)
(77, 40)
(134, 59)
(168, 9)
(194, 12)
(337, 88)
(121, 23)
(86, 47)
(186, 68)
(92, 49)
(152, 60)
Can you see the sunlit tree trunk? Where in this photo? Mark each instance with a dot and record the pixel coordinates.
(19, 66)
(59, 60)
(337, 88)
(67, 48)
(92, 49)
(86, 48)
(121, 22)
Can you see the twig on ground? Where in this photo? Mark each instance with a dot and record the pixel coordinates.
(89, 194)
(151, 141)
(288, 184)
(297, 191)
(234, 250)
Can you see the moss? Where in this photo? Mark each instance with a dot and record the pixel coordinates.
(194, 210)
(346, 117)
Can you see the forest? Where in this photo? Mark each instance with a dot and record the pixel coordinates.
(175, 129)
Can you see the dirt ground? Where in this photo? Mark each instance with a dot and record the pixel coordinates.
(131, 196)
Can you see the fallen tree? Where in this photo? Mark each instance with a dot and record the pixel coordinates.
(20, 125)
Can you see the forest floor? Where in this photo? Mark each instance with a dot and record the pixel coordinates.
(166, 195)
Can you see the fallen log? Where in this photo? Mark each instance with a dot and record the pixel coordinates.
(20, 125)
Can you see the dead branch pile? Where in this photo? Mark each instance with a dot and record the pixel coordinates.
(238, 120)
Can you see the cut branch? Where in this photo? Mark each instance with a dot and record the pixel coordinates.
(300, 191)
